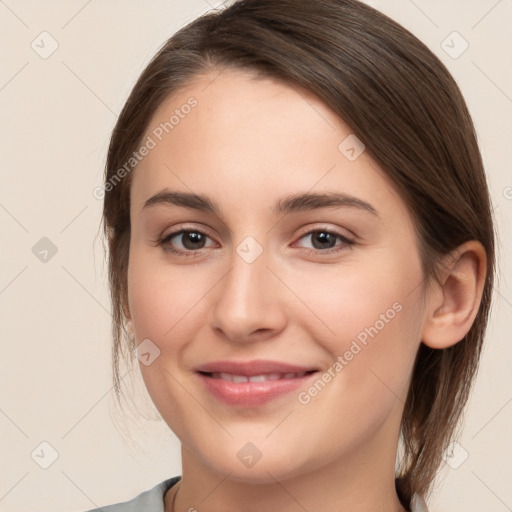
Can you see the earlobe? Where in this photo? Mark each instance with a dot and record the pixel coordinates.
(454, 304)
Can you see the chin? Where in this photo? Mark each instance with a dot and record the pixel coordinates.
(246, 463)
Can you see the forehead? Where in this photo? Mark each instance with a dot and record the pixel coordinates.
(238, 105)
(231, 131)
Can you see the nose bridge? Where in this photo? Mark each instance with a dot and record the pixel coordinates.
(249, 298)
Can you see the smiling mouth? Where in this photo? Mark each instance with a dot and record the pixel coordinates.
(254, 390)
(230, 377)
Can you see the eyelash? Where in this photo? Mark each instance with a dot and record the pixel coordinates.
(164, 242)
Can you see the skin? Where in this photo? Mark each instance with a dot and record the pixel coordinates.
(246, 144)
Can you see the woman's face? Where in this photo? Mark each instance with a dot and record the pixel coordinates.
(299, 253)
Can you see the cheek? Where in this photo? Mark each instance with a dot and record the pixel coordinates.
(374, 318)
(165, 307)
(160, 299)
(367, 317)
(347, 298)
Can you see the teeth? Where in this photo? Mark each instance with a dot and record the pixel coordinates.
(259, 378)
(256, 378)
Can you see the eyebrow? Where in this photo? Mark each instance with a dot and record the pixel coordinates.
(288, 204)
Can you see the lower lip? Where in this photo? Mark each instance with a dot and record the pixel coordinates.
(252, 394)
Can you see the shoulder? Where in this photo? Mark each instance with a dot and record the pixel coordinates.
(151, 500)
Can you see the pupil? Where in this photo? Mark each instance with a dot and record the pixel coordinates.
(325, 238)
(191, 238)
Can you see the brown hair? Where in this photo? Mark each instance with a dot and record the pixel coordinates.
(400, 100)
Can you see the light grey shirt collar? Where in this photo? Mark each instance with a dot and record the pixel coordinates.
(153, 500)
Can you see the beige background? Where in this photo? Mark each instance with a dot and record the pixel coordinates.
(57, 114)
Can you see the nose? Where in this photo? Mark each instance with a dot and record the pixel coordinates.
(250, 302)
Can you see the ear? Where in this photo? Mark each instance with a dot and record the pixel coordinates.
(453, 302)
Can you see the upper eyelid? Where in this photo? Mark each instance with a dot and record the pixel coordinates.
(306, 230)
(336, 231)
(185, 228)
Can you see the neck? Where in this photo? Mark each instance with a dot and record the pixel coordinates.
(360, 481)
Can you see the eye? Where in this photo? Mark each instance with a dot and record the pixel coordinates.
(187, 240)
(324, 241)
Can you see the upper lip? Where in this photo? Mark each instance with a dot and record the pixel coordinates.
(251, 368)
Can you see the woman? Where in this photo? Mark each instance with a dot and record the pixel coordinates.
(302, 254)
